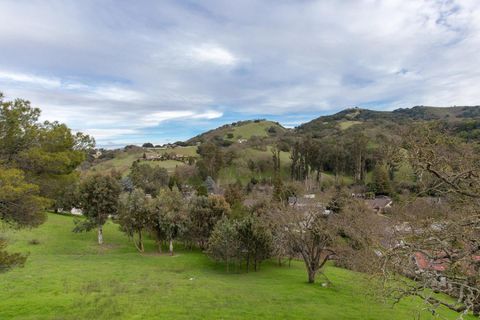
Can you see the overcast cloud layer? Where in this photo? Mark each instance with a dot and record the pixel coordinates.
(132, 71)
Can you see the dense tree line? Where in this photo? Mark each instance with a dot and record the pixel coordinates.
(348, 155)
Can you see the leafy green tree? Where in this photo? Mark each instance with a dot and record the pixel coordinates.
(48, 152)
(358, 152)
(168, 218)
(381, 182)
(224, 243)
(390, 154)
(204, 213)
(9, 260)
(20, 203)
(233, 241)
(20, 206)
(150, 179)
(256, 241)
(134, 213)
(211, 160)
(18, 127)
(174, 182)
(98, 197)
(335, 156)
(280, 192)
(34, 159)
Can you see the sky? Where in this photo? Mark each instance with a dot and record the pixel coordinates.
(128, 72)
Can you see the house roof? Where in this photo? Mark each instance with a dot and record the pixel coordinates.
(424, 263)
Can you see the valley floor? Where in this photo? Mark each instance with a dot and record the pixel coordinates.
(67, 276)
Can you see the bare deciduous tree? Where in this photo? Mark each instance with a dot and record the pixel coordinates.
(436, 240)
(309, 234)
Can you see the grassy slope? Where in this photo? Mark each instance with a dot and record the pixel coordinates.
(190, 151)
(248, 130)
(344, 125)
(239, 169)
(244, 130)
(68, 276)
(123, 161)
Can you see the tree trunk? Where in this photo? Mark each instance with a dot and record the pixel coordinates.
(311, 275)
(140, 241)
(100, 234)
(171, 247)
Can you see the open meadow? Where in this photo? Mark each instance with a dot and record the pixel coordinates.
(68, 276)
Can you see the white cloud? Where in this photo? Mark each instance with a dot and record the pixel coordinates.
(109, 92)
(105, 134)
(125, 66)
(209, 114)
(23, 78)
(156, 118)
(214, 54)
(116, 94)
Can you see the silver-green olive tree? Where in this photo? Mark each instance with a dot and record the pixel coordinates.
(98, 198)
(134, 214)
(168, 217)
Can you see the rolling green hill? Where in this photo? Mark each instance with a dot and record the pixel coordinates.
(241, 130)
(386, 120)
(68, 276)
(123, 159)
(238, 136)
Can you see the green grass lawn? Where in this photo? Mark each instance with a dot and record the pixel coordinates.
(68, 276)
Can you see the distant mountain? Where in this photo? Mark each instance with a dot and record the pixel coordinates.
(464, 120)
(388, 122)
(415, 113)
